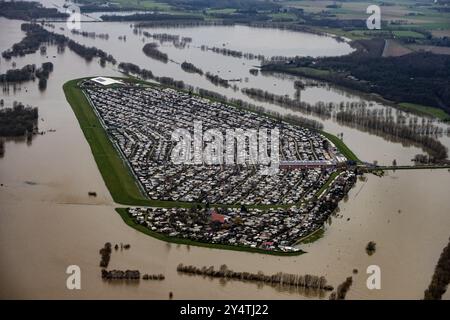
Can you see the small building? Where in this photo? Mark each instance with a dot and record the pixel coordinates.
(217, 217)
(105, 81)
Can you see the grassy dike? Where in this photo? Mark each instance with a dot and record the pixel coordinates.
(121, 182)
(341, 146)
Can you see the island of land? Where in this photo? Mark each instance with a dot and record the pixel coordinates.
(128, 124)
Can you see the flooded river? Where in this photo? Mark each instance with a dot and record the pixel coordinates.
(48, 222)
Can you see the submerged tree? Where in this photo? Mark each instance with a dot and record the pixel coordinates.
(370, 248)
(42, 84)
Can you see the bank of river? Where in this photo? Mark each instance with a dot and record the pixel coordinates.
(52, 222)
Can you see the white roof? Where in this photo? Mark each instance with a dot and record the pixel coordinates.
(105, 81)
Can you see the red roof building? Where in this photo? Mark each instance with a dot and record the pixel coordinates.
(217, 217)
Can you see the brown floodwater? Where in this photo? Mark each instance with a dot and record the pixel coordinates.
(48, 222)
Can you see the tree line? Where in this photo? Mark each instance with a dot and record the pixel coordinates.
(27, 73)
(28, 10)
(384, 126)
(342, 290)
(320, 109)
(233, 53)
(441, 276)
(18, 120)
(36, 35)
(152, 17)
(376, 121)
(189, 67)
(151, 50)
(216, 80)
(129, 67)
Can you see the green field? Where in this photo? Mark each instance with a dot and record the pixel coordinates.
(425, 110)
(310, 72)
(342, 147)
(327, 184)
(220, 11)
(312, 237)
(144, 4)
(408, 34)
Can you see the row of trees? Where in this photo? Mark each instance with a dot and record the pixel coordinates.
(319, 109)
(89, 53)
(379, 121)
(161, 37)
(18, 120)
(189, 67)
(441, 276)
(241, 6)
(233, 53)
(177, 41)
(152, 17)
(128, 67)
(279, 279)
(151, 50)
(27, 73)
(43, 73)
(216, 80)
(36, 35)
(342, 290)
(386, 127)
(92, 34)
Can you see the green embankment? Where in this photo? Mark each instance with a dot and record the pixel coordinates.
(342, 147)
(312, 237)
(425, 110)
(129, 221)
(408, 34)
(327, 184)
